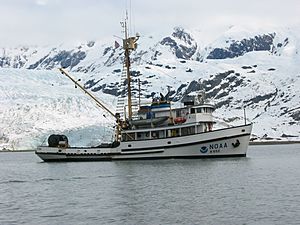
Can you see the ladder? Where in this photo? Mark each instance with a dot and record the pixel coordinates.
(123, 99)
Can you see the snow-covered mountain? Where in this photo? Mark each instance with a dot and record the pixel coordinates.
(258, 69)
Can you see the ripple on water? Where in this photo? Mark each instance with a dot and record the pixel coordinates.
(261, 189)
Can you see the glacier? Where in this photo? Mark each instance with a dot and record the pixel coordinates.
(255, 69)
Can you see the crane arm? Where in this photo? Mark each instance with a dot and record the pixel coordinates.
(86, 92)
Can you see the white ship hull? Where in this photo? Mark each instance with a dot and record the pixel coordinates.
(229, 142)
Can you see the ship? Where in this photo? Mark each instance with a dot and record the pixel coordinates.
(156, 131)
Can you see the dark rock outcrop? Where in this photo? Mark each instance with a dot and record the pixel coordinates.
(181, 51)
(64, 59)
(239, 48)
(214, 88)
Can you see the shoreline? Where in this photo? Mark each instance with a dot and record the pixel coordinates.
(273, 142)
(7, 150)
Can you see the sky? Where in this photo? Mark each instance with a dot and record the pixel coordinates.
(47, 22)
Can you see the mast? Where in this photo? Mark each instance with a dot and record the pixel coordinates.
(129, 44)
(127, 64)
(139, 93)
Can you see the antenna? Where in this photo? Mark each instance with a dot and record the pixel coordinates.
(130, 17)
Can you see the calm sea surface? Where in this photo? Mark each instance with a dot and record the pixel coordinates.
(263, 188)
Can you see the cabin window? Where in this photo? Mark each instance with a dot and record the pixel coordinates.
(162, 134)
(192, 110)
(173, 133)
(184, 112)
(150, 115)
(124, 137)
(147, 135)
(155, 134)
(129, 137)
(188, 130)
(207, 127)
(184, 131)
(199, 128)
(191, 130)
(139, 136)
(207, 110)
(199, 110)
(168, 134)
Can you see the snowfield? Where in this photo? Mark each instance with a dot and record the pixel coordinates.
(238, 69)
(35, 104)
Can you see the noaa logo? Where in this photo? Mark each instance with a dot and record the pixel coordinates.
(204, 149)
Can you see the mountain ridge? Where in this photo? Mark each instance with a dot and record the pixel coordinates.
(256, 70)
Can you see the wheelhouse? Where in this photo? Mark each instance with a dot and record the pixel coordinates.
(190, 120)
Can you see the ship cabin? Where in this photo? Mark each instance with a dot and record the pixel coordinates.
(161, 121)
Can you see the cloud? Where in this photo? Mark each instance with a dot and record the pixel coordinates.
(41, 2)
(55, 21)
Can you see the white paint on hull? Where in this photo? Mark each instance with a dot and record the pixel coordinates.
(224, 142)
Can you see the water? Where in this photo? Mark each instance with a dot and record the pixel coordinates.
(263, 188)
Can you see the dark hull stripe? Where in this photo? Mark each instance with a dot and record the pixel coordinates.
(143, 158)
(96, 155)
(137, 152)
(186, 144)
(86, 154)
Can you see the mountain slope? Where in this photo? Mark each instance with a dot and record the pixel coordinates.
(255, 69)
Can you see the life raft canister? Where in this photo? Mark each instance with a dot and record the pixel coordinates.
(56, 140)
(179, 120)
